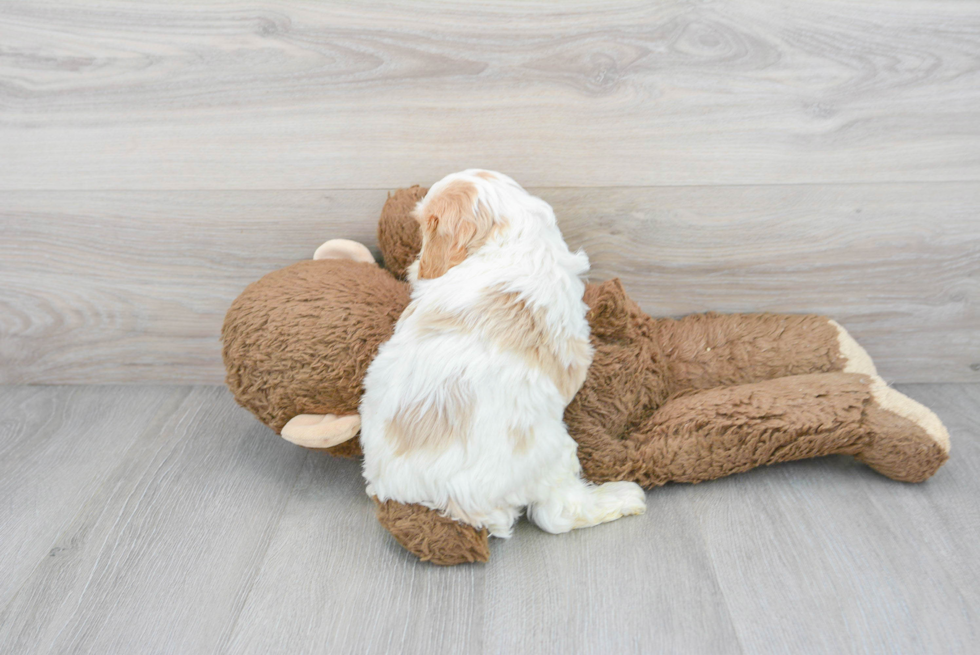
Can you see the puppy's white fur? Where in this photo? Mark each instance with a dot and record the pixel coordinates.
(462, 407)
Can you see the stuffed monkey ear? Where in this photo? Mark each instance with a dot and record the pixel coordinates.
(344, 249)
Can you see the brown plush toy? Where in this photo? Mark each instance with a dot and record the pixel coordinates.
(665, 400)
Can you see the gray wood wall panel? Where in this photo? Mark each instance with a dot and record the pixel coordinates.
(156, 157)
(138, 95)
(132, 286)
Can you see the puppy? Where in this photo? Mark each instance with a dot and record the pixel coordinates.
(462, 408)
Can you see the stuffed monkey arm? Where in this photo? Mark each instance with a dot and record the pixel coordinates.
(703, 351)
(432, 537)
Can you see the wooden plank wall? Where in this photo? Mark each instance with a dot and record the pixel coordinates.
(755, 156)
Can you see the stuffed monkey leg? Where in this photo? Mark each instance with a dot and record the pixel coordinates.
(708, 434)
(432, 537)
(703, 351)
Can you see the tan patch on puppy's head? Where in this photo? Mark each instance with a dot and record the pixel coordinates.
(453, 225)
(434, 425)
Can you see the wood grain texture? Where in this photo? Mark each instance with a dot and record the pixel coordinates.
(897, 265)
(157, 157)
(229, 95)
(819, 556)
(55, 451)
(161, 557)
(133, 286)
(616, 588)
(104, 287)
(335, 582)
(209, 534)
(839, 560)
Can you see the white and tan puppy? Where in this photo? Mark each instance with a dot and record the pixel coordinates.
(462, 408)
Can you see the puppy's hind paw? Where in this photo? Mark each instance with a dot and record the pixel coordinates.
(614, 500)
(581, 505)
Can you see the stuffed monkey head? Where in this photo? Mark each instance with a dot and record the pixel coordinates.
(300, 339)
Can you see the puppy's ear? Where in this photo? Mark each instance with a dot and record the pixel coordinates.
(453, 224)
(445, 243)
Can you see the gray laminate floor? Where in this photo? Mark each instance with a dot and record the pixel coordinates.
(165, 519)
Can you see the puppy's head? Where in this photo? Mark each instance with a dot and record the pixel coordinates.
(456, 217)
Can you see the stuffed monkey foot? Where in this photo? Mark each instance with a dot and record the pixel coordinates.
(856, 359)
(432, 537)
(908, 442)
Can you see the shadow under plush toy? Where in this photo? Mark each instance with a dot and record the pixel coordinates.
(665, 400)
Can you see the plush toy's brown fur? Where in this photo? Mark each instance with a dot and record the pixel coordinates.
(299, 340)
(431, 536)
(665, 400)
